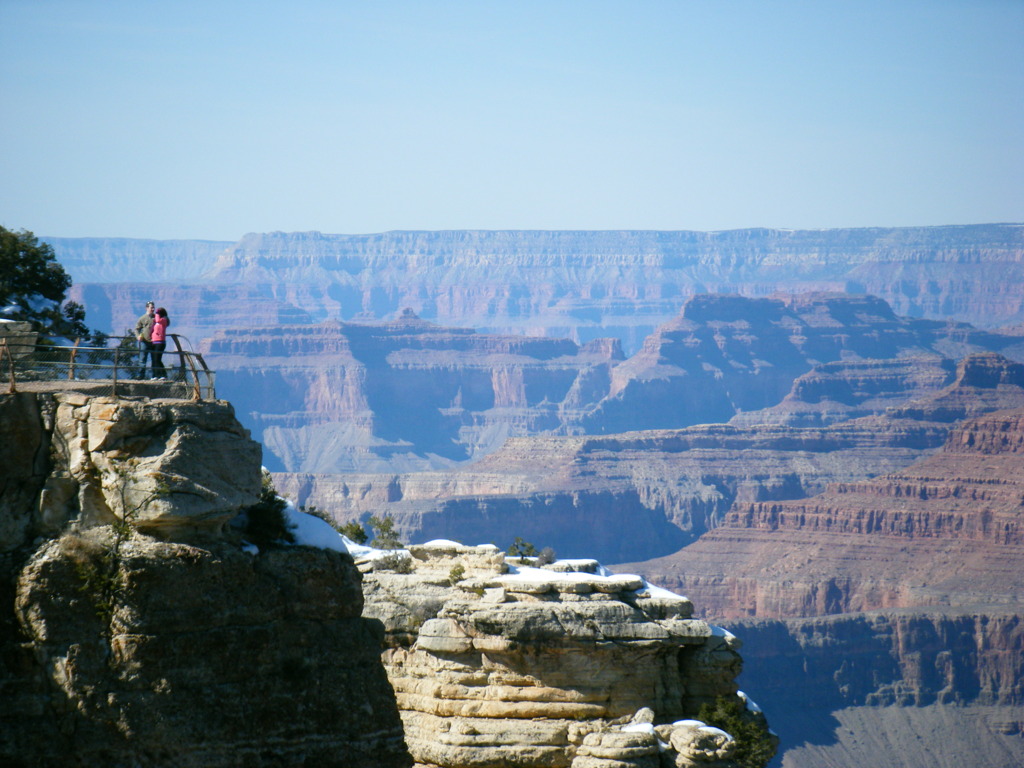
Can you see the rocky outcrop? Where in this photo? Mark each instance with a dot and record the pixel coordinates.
(167, 466)
(938, 687)
(547, 667)
(928, 388)
(138, 628)
(851, 389)
(210, 656)
(620, 496)
(579, 285)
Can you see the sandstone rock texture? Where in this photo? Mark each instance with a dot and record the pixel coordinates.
(165, 464)
(580, 285)
(556, 666)
(137, 629)
(727, 355)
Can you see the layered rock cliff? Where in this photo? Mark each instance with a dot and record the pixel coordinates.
(644, 494)
(904, 589)
(580, 285)
(554, 666)
(727, 355)
(409, 395)
(138, 629)
(948, 529)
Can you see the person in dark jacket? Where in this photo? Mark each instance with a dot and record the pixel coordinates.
(144, 333)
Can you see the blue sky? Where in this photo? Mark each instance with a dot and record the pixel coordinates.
(212, 119)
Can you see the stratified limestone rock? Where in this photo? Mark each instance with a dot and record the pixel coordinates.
(19, 338)
(162, 465)
(206, 656)
(338, 397)
(121, 649)
(573, 493)
(901, 590)
(699, 744)
(539, 667)
(24, 459)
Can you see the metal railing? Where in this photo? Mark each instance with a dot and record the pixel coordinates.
(114, 369)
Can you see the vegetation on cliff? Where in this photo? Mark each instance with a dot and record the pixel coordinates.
(755, 744)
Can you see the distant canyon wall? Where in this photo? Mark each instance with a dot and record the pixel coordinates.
(575, 284)
(410, 395)
(900, 590)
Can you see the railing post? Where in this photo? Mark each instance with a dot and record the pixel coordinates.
(196, 391)
(181, 355)
(71, 361)
(10, 363)
(114, 385)
(212, 394)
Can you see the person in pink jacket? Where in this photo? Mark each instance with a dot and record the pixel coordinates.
(158, 337)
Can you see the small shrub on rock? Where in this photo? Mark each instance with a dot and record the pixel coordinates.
(265, 522)
(546, 557)
(456, 574)
(394, 561)
(520, 548)
(385, 535)
(354, 532)
(755, 745)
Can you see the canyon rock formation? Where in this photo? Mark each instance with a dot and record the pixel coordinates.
(136, 629)
(573, 284)
(948, 527)
(336, 397)
(904, 589)
(409, 395)
(140, 627)
(639, 495)
(555, 666)
(726, 355)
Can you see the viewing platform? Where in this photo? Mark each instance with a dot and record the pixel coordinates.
(32, 363)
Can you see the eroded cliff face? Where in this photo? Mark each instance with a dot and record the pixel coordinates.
(728, 355)
(138, 627)
(924, 687)
(135, 629)
(901, 590)
(640, 495)
(948, 530)
(618, 498)
(411, 396)
(349, 396)
(548, 667)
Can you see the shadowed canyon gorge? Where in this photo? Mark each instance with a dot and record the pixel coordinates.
(813, 435)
